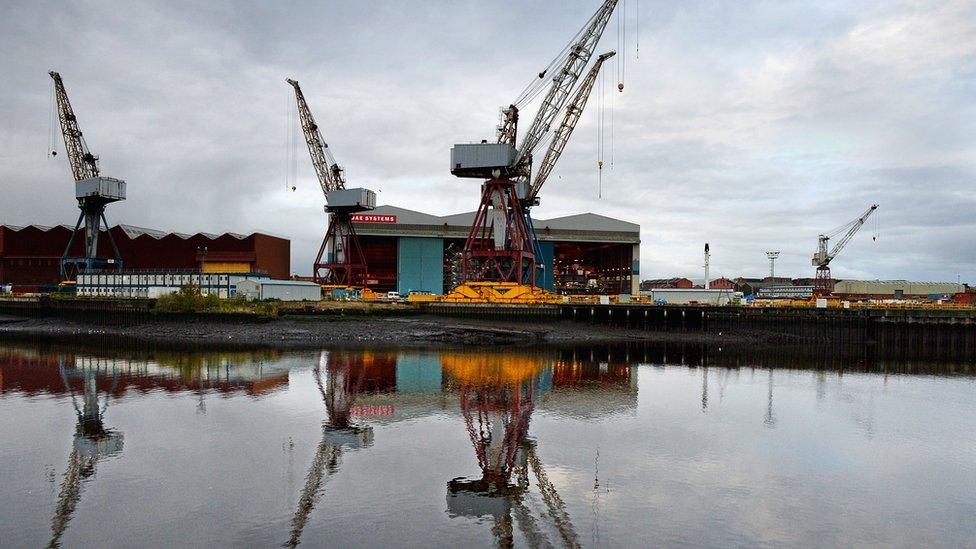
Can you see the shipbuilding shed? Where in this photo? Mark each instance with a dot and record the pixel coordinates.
(407, 250)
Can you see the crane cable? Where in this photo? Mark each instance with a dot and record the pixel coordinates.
(601, 116)
(51, 139)
(637, 26)
(288, 144)
(538, 83)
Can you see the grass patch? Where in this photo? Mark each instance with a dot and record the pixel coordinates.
(190, 300)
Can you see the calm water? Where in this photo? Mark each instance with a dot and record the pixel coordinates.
(548, 448)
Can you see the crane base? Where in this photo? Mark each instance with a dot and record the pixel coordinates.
(499, 292)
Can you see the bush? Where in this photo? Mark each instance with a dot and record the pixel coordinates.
(190, 300)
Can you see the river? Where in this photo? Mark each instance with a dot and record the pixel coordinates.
(594, 447)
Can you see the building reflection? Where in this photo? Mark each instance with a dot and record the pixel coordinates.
(494, 394)
(31, 372)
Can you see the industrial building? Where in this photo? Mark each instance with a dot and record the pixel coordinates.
(282, 290)
(666, 283)
(692, 296)
(30, 256)
(409, 251)
(722, 284)
(154, 284)
(894, 289)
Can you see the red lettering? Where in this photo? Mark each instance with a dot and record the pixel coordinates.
(373, 218)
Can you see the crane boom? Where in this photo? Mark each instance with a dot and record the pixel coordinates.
(564, 81)
(84, 164)
(823, 257)
(329, 173)
(573, 112)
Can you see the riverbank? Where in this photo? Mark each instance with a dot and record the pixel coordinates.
(297, 332)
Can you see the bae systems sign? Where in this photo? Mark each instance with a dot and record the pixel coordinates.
(373, 218)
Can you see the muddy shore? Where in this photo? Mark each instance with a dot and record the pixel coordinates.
(317, 332)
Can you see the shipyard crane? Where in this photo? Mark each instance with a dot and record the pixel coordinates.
(339, 392)
(824, 284)
(501, 245)
(340, 260)
(92, 190)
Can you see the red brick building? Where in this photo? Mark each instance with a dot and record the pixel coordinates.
(30, 256)
(667, 283)
(721, 284)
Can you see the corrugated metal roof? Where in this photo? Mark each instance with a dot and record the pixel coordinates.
(578, 222)
(133, 232)
(269, 282)
(587, 222)
(42, 228)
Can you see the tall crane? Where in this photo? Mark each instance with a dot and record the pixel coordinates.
(824, 284)
(92, 190)
(501, 245)
(340, 260)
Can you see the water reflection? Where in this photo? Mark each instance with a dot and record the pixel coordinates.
(464, 446)
(344, 374)
(92, 440)
(497, 395)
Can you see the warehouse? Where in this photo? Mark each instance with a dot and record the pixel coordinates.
(30, 256)
(282, 290)
(409, 251)
(894, 289)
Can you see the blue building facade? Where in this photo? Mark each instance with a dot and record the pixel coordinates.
(420, 265)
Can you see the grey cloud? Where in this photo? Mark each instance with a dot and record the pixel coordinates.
(749, 125)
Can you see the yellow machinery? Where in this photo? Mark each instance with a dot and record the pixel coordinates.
(226, 267)
(363, 292)
(491, 368)
(499, 292)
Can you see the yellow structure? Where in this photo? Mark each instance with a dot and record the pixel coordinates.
(499, 292)
(491, 368)
(226, 267)
(365, 293)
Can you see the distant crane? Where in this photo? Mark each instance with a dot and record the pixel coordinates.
(340, 260)
(501, 246)
(92, 191)
(824, 284)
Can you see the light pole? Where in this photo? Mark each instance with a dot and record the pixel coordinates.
(772, 263)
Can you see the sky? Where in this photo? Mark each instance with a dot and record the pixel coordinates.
(751, 125)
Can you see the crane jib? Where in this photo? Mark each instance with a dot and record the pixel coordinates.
(564, 83)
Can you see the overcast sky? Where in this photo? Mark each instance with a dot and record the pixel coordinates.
(750, 125)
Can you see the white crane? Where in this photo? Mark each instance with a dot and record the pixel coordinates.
(824, 284)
